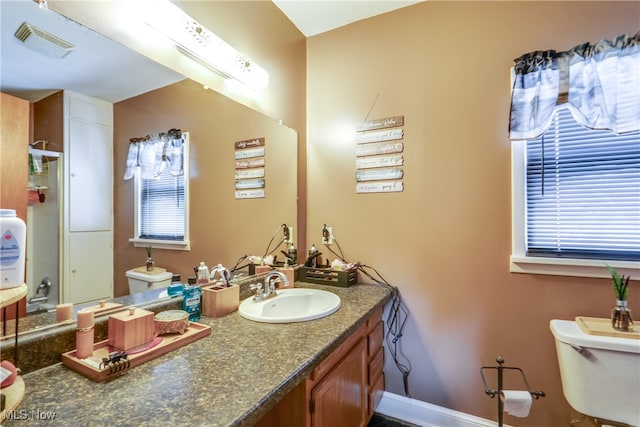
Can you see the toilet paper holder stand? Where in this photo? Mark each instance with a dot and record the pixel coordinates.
(495, 392)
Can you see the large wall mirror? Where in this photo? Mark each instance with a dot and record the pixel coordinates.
(223, 228)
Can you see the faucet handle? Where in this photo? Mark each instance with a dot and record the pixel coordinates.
(259, 293)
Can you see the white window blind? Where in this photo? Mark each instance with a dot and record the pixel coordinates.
(162, 195)
(583, 192)
(162, 207)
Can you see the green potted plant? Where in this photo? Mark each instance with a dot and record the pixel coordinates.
(620, 314)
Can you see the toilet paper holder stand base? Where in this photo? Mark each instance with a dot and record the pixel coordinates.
(496, 392)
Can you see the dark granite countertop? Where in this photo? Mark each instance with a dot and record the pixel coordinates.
(230, 378)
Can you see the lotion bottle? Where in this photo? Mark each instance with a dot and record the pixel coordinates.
(203, 274)
(13, 232)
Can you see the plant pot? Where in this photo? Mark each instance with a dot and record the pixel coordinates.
(621, 317)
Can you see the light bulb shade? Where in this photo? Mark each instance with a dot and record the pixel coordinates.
(200, 44)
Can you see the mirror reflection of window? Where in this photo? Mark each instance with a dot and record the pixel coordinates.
(159, 166)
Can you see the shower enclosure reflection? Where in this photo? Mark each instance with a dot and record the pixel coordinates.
(43, 230)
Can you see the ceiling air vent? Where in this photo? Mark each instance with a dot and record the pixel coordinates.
(43, 42)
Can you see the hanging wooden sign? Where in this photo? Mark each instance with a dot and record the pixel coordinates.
(378, 164)
(249, 183)
(387, 122)
(379, 174)
(250, 173)
(250, 168)
(249, 143)
(379, 187)
(250, 194)
(248, 164)
(379, 136)
(379, 161)
(379, 148)
(252, 152)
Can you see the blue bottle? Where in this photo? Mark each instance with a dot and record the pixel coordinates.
(191, 300)
(176, 287)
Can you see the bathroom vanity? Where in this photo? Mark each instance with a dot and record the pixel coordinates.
(343, 389)
(245, 373)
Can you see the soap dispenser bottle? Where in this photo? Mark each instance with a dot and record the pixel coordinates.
(191, 299)
(203, 274)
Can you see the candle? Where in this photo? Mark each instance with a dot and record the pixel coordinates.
(84, 333)
(64, 312)
(85, 318)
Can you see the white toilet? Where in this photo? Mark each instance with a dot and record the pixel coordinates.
(140, 282)
(600, 374)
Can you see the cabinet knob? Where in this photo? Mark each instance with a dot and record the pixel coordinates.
(73, 271)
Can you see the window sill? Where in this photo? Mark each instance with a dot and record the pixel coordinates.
(571, 267)
(161, 244)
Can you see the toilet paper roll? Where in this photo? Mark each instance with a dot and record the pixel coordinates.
(516, 402)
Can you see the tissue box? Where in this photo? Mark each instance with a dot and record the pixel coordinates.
(131, 328)
(218, 301)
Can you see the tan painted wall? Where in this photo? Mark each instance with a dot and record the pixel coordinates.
(446, 240)
(222, 228)
(257, 28)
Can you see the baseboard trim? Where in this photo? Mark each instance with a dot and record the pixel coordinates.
(426, 414)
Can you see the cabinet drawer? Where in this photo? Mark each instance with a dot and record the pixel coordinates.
(337, 355)
(375, 394)
(375, 338)
(373, 321)
(375, 366)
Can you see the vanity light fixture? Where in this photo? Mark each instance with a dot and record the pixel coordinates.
(198, 43)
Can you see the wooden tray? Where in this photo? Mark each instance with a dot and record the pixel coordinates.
(91, 368)
(107, 308)
(13, 395)
(156, 270)
(602, 327)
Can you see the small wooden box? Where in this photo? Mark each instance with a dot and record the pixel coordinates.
(218, 301)
(328, 276)
(262, 269)
(291, 276)
(127, 330)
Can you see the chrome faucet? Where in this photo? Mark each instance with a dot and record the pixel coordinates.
(268, 290)
(225, 275)
(44, 286)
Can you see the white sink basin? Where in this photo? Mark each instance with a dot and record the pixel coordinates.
(291, 305)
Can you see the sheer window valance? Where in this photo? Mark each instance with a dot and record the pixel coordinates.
(154, 153)
(600, 83)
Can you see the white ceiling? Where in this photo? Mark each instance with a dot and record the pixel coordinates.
(313, 17)
(97, 66)
(104, 69)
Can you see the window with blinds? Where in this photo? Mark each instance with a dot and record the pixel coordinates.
(162, 208)
(162, 201)
(582, 192)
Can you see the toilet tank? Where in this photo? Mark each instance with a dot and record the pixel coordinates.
(600, 374)
(140, 282)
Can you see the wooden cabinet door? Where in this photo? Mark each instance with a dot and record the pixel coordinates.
(339, 399)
